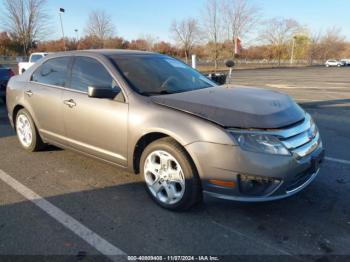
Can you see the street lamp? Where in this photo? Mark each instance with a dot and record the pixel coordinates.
(76, 34)
(64, 41)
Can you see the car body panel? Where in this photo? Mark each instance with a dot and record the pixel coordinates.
(237, 107)
(102, 131)
(46, 102)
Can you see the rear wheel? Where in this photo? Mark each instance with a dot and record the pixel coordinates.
(170, 176)
(27, 133)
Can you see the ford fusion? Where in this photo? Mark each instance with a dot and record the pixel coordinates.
(155, 116)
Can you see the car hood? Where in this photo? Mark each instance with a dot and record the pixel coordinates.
(239, 107)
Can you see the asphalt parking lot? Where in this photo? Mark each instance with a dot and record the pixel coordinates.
(114, 206)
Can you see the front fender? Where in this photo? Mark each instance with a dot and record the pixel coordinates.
(146, 118)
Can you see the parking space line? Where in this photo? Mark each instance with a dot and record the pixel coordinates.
(100, 244)
(337, 160)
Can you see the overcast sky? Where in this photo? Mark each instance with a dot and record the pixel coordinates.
(134, 18)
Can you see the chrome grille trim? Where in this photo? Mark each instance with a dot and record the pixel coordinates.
(297, 141)
(308, 148)
(281, 133)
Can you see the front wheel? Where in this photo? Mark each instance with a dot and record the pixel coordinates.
(170, 176)
(27, 133)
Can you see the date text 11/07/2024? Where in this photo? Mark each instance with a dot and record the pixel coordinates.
(173, 258)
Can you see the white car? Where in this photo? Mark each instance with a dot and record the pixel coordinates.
(333, 62)
(23, 66)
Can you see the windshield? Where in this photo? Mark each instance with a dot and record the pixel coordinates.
(35, 58)
(157, 74)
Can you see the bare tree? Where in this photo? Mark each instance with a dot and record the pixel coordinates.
(240, 18)
(150, 41)
(278, 33)
(25, 20)
(100, 26)
(314, 47)
(213, 27)
(332, 43)
(186, 33)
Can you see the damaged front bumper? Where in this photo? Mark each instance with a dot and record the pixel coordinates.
(228, 172)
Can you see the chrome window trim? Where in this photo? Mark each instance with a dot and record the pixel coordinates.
(75, 90)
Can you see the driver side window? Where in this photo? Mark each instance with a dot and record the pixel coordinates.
(87, 72)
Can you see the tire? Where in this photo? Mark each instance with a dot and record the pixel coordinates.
(186, 193)
(27, 133)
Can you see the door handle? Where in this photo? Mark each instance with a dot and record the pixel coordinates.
(29, 93)
(71, 103)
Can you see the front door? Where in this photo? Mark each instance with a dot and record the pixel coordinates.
(93, 125)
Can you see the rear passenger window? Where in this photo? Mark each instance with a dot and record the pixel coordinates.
(52, 72)
(89, 72)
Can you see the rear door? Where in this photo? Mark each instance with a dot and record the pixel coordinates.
(44, 94)
(93, 125)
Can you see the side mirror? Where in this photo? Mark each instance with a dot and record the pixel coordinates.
(103, 92)
(230, 63)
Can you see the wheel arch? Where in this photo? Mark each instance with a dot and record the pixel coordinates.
(15, 111)
(147, 139)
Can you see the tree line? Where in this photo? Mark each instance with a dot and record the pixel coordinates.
(212, 36)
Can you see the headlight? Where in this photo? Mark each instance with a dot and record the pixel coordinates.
(260, 143)
(313, 129)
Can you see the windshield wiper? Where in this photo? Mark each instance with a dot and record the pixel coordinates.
(163, 92)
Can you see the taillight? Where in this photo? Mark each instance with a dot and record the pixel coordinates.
(11, 73)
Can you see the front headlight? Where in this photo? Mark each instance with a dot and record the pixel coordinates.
(260, 143)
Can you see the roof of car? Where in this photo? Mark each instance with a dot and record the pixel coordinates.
(107, 52)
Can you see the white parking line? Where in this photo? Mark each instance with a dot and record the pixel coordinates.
(102, 245)
(337, 160)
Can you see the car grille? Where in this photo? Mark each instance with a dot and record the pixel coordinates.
(301, 139)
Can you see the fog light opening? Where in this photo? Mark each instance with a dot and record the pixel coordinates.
(256, 185)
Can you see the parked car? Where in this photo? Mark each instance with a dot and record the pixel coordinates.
(155, 116)
(218, 78)
(333, 62)
(23, 66)
(346, 62)
(5, 74)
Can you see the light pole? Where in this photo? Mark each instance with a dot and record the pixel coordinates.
(64, 41)
(76, 39)
(76, 34)
(293, 47)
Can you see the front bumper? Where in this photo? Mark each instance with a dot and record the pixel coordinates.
(230, 163)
